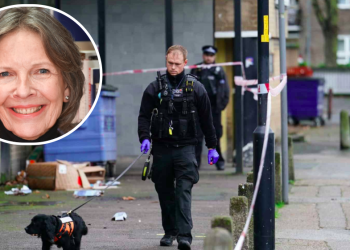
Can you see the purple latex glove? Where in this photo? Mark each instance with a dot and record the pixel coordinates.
(145, 146)
(213, 156)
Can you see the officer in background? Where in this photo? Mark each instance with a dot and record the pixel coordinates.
(174, 105)
(215, 82)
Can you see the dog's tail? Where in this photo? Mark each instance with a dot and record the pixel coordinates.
(85, 229)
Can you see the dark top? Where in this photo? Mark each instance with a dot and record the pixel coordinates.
(216, 85)
(201, 102)
(9, 136)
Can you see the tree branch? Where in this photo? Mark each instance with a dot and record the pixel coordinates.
(328, 9)
(320, 17)
(333, 15)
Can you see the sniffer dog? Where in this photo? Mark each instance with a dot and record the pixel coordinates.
(65, 231)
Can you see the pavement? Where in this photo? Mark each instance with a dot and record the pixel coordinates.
(141, 230)
(317, 216)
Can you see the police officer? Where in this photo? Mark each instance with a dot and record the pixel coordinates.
(215, 82)
(173, 105)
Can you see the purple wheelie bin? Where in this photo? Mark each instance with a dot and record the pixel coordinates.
(305, 100)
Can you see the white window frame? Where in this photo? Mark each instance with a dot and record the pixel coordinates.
(286, 3)
(346, 52)
(344, 5)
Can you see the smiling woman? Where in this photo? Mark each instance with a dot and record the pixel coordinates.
(41, 81)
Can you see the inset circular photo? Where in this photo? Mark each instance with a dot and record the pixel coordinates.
(50, 74)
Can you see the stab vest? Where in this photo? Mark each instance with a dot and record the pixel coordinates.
(177, 115)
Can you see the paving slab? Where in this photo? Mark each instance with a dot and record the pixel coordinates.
(318, 213)
(330, 191)
(345, 191)
(338, 245)
(346, 210)
(317, 235)
(296, 199)
(297, 217)
(323, 182)
(331, 215)
(304, 191)
(291, 244)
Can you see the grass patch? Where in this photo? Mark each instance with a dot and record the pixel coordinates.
(292, 182)
(66, 197)
(278, 206)
(8, 188)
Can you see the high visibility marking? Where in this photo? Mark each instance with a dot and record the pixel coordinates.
(263, 88)
(265, 36)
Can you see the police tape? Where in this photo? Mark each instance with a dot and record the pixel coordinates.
(136, 71)
(239, 81)
(272, 92)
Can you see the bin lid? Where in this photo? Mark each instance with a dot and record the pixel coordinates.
(321, 79)
(110, 93)
(107, 87)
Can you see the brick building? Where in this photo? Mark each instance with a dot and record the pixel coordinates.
(224, 39)
(298, 30)
(135, 35)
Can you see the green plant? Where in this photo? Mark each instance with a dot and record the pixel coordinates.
(321, 65)
(291, 182)
(303, 64)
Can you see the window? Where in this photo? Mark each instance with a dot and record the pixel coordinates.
(343, 52)
(344, 4)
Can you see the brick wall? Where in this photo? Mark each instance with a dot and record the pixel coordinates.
(317, 38)
(224, 10)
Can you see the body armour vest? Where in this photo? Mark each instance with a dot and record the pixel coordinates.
(175, 115)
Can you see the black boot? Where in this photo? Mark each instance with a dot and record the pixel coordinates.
(220, 165)
(167, 240)
(184, 245)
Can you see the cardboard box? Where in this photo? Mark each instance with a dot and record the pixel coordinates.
(94, 174)
(52, 176)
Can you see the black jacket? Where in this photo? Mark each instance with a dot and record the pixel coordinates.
(215, 82)
(201, 102)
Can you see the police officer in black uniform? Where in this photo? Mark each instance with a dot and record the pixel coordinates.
(215, 82)
(174, 105)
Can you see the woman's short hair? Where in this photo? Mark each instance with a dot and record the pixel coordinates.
(60, 48)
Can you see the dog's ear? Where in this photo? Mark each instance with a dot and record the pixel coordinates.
(49, 230)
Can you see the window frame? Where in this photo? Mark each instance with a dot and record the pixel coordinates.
(346, 53)
(344, 5)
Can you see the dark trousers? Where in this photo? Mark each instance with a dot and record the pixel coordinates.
(174, 173)
(218, 130)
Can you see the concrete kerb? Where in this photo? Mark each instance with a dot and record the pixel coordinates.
(247, 190)
(291, 159)
(222, 222)
(344, 130)
(218, 239)
(278, 178)
(239, 212)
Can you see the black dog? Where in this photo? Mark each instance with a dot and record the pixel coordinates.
(65, 231)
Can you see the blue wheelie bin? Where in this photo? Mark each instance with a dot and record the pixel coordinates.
(95, 140)
(305, 100)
